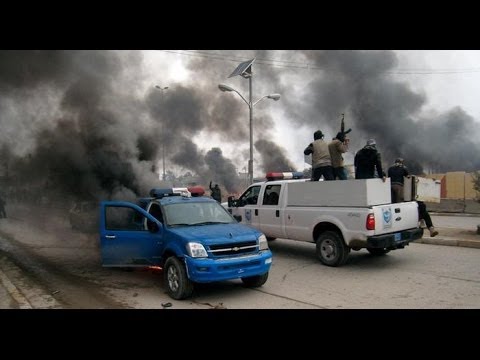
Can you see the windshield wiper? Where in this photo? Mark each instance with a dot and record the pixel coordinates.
(210, 223)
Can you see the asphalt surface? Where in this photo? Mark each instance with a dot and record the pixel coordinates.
(454, 230)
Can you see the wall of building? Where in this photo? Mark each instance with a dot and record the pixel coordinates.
(456, 185)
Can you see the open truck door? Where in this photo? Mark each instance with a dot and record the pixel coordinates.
(126, 239)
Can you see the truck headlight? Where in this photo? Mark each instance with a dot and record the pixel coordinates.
(196, 250)
(262, 242)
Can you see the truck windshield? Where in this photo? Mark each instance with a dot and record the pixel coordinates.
(196, 213)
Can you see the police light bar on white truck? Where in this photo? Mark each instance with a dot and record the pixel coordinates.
(271, 176)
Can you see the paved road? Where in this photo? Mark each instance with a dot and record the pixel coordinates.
(420, 276)
(64, 271)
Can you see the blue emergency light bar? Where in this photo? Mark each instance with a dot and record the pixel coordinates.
(160, 193)
(284, 175)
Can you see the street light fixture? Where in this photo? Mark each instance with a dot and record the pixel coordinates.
(250, 104)
(163, 140)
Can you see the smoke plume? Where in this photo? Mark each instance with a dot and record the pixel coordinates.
(80, 124)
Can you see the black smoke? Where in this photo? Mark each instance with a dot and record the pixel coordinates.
(360, 85)
(77, 135)
(80, 124)
(273, 157)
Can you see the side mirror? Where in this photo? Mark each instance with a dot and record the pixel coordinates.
(238, 218)
(231, 201)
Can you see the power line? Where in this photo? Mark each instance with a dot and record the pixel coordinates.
(270, 62)
(309, 66)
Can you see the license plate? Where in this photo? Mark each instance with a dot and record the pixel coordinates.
(398, 236)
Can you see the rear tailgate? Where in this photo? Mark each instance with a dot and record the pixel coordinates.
(395, 217)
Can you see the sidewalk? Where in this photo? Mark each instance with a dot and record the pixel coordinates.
(18, 291)
(452, 237)
(12, 297)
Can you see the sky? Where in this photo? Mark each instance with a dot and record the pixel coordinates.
(94, 121)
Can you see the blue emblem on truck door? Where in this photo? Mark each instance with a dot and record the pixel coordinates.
(387, 218)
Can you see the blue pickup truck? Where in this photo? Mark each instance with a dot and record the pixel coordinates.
(194, 240)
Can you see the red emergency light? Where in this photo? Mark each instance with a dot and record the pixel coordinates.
(284, 175)
(196, 190)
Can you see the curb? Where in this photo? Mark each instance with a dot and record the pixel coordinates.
(433, 213)
(25, 291)
(449, 242)
(14, 292)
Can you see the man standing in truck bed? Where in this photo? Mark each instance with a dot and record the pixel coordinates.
(337, 147)
(321, 160)
(366, 160)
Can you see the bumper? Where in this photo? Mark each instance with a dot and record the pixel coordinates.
(395, 240)
(205, 270)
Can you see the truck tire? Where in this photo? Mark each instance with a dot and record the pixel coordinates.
(255, 281)
(378, 251)
(331, 250)
(176, 280)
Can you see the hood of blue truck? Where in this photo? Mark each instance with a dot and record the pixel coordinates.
(217, 233)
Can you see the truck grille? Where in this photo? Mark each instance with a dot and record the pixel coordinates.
(233, 249)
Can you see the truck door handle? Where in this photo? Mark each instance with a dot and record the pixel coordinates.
(277, 213)
(110, 236)
(256, 212)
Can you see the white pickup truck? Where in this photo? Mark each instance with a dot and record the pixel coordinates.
(338, 216)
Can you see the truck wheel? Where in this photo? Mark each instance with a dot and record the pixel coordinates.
(178, 284)
(378, 252)
(331, 250)
(255, 281)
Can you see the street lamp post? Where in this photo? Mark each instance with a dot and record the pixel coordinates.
(250, 104)
(163, 140)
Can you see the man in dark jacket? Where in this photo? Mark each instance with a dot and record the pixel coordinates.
(216, 192)
(366, 160)
(396, 173)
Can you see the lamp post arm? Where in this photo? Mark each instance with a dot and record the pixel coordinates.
(246, 102)
(256, 102)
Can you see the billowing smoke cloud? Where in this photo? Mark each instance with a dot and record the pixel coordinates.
(273, 157)
(223, 170)
(79, 123)
(83, 145)
(75, 127)
(358, 83)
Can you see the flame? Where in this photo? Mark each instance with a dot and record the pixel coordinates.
(154, 268)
